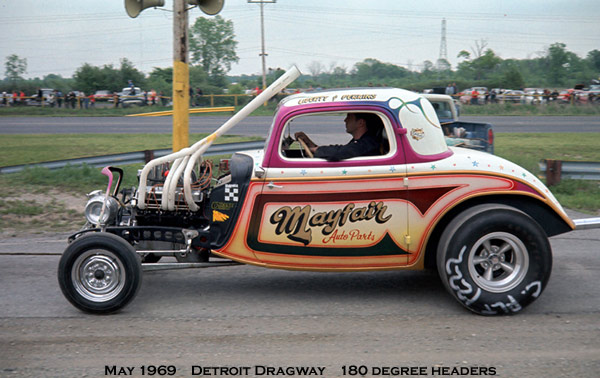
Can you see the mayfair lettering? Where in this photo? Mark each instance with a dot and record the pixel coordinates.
(295, 221)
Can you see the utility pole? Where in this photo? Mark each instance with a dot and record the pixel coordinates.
(181, 76)
(263, 53)
(181, 72)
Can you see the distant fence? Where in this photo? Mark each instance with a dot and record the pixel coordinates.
(134, 157)
(555, 170)
(213, 100)
(519, 97)
(80, 102)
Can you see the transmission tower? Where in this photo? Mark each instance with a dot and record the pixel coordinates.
(442, 62)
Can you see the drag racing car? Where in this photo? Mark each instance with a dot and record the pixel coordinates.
(415, 203)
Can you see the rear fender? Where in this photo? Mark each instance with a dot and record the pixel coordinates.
(549, 220)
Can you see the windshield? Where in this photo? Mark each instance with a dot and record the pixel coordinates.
(442, 109)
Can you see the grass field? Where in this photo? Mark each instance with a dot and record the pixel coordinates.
(27, 149)
(527, 149)
(530, 110)
(35, 194)
(489, 109)
(39, 199)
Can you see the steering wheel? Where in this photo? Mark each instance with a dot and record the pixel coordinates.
(305, 148)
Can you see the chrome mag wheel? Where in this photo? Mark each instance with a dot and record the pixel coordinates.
(498, 262)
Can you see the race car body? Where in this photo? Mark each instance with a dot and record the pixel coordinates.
(411, 203)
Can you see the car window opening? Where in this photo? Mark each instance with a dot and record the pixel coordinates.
(333, 131)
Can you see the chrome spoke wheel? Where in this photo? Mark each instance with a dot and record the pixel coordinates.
(498, 262)
(98, 275)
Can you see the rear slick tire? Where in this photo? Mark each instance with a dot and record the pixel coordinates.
(494, 259)
(99, 273)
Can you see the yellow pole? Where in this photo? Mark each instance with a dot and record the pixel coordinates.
(181, 103)
(181, 95)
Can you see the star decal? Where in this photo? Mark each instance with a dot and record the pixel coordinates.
(303, 172)
(433, 167)
(475, 163)
(392, 169)
(344, 172)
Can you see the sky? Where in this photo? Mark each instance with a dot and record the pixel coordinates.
(59, 36)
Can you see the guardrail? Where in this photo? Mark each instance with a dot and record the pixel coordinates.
(134, 157)
(555, 170)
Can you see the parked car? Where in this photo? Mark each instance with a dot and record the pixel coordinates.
(474, 135)
(483, 221)
(594, 94)
(533, 96)
(35, 99)
(574, 96)
(480, 89)
(5, 99)
(466, 96)
(512, 96)
(79, 94)
(103, 95)
(132, 97)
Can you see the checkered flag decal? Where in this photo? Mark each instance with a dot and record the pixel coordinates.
(231, 192)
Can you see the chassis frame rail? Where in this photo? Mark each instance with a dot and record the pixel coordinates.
(151, 267)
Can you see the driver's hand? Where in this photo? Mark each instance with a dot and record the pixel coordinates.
(300, 135)
(305, 139)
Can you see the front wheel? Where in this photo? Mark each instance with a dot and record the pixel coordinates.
(99, 273)
(494, 259)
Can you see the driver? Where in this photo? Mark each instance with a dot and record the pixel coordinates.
(365, 129)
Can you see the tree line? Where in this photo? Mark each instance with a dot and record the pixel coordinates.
(213, 51)
(556, 68)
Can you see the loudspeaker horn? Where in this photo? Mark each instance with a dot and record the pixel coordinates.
(135, 7)
(210, 7)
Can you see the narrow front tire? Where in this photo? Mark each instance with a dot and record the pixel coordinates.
(99, 273)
